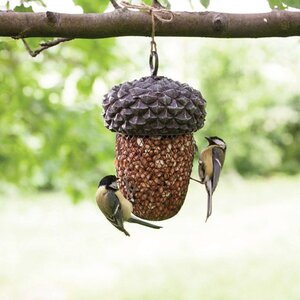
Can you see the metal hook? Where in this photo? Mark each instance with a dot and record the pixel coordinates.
(153, 68)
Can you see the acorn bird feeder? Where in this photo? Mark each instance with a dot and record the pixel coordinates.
(154, 118)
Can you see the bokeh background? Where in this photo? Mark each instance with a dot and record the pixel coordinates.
(54, 242)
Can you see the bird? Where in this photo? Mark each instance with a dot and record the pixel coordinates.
(211, 161)
(115, 207)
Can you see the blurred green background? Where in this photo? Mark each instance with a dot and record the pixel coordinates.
(54, 147)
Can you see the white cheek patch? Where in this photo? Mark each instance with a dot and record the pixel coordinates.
(220, 143)
(114, 185)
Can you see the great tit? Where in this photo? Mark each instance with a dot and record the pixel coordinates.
(210, 164)
(115, 207)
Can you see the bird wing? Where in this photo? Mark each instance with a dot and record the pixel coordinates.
(116, 217)
(218, 160)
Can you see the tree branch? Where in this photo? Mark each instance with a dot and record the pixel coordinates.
(44, 45)
(124, 22)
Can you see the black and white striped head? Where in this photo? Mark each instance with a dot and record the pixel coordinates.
(109, 181)
(214, 140)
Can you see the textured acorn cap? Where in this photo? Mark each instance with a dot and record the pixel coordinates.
(153, 105)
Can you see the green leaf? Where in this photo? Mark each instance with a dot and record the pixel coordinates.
(205, 3)
(292, 3)
(148, 2)
(92, 6)
(22, 8)
(276, 4)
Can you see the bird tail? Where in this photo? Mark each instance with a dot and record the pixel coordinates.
(209, 190)
(118, 223)
(141, 222)
(126, 232)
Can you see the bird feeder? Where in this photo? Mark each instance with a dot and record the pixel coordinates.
(154, 118)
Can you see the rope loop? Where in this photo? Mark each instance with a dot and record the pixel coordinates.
(161, 14)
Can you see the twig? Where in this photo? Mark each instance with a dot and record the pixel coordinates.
(115, 4)
(156, 4)
(44, 45)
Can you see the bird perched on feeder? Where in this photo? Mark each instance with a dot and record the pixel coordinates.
(210, 164)
(115, 206)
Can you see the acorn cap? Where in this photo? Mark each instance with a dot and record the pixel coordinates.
(153, 105)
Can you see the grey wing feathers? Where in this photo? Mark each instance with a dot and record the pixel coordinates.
(218, 159)
(113, 202)
(116, 218)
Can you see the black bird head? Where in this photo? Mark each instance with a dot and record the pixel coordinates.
(214, 140)
(109, 181)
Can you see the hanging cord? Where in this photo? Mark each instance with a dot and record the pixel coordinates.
(163, 15)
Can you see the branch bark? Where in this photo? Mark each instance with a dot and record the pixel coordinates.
(124, 22)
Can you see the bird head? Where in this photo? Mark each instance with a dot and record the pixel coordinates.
(214, 140)
(109, 181)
